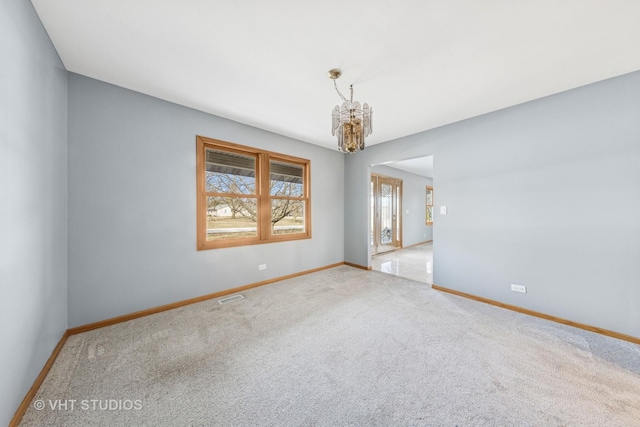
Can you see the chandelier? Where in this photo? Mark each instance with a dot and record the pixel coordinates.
(351, 121)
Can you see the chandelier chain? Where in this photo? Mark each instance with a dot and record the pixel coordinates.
(341, 95)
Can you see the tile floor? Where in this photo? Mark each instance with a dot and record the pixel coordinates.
(415, 263)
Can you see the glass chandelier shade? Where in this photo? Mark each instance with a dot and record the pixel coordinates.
(351, 122)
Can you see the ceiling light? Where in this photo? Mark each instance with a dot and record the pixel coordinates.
(351, 122)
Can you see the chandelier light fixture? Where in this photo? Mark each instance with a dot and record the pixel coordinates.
(351, 122)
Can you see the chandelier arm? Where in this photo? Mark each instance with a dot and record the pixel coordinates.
(341, 95)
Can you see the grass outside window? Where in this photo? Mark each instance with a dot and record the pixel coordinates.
(249, 196)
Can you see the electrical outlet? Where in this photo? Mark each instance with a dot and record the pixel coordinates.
(519, 288)
(262, 267)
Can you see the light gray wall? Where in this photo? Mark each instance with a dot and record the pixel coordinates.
(414, 228)
(545, 194)
(132, 205)
(33, 200)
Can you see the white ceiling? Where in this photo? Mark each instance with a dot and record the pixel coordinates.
(420, 63)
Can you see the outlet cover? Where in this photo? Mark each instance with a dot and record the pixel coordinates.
(519, 288)
(262, 267)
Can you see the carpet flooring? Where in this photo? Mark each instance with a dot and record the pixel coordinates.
(341, 347)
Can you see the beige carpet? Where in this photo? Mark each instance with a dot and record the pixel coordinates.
(341, 347)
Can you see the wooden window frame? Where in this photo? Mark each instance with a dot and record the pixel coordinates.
(427, 205)
(263, 196)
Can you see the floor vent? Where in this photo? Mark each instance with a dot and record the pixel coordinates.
(230, 299)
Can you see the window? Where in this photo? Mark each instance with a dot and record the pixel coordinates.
(429, 205)
(248, 196)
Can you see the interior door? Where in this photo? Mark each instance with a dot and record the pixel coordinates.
(386, 213)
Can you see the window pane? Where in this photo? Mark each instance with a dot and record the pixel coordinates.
(287, 216)
(286, 179)
(429, 204)
(398, 214)
(229, 172)
(231, 218)
(386, 213)
(249, 196)
(373, 213)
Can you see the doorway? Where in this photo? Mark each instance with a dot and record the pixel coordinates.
(386, 213)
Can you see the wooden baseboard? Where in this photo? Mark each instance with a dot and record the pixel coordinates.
(590, 328)
(112, 321)
(22, 409)
(357, 266)
(101, 324)
(24, 405)
(418, 244)
(159, 309)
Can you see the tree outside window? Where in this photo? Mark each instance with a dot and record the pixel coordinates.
(248, 196)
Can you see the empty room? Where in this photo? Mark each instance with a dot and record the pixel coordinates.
(287, 213)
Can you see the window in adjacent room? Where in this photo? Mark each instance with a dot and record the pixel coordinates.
(248, 196)
(429, 205)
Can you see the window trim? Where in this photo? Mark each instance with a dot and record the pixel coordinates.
(262, 195)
